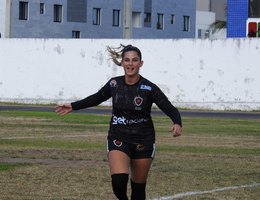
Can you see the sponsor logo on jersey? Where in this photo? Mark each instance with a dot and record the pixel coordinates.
(118, 143)
(145, 87)
(113, 83)
(138, 101)
(123, 121)
(119, 120)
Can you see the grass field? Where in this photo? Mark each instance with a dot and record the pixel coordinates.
(44, 156)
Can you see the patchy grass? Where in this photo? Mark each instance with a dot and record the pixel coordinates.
(9, 166)
(45, 156)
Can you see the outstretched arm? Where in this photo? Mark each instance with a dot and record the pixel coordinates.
(93, 100)
(63, 109)
(165, 105)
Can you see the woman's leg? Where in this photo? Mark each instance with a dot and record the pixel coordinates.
(119, 169)
(139, 173)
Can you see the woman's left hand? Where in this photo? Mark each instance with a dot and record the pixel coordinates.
(176, 130)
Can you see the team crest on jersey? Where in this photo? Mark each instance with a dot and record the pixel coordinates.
(118, 143)
(138, 101)
(113, 83)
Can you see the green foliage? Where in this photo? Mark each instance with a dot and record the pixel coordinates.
(8, 166)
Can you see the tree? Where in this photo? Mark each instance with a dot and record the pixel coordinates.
(218, 24)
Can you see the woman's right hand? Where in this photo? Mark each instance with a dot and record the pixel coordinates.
(63, 109)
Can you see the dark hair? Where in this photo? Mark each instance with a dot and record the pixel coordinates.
(118, 53)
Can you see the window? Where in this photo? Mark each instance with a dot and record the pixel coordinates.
(96, 16)
(42, 8)
(160, 21)
(186, 23)
(23, 10)
(75, 34)
(116, 17)
(203, 33)
(254, 8)
(147, 19)
(57, 14)
(76, 11)
(136, 19)
(172, 19)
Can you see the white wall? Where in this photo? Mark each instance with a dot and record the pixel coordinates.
(217, 74)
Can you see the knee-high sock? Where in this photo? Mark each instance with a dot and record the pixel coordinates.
(119, 184)
(138, 191)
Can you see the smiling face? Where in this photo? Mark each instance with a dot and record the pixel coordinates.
(131, 63)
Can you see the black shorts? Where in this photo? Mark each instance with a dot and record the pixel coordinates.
(134, 151)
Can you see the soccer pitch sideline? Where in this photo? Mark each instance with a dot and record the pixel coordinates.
(45, 156)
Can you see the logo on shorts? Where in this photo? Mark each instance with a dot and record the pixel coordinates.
(118, 143)
(139, 147)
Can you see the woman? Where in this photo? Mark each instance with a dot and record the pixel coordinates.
(131, 136)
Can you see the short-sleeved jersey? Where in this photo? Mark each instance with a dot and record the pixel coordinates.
(131, 114)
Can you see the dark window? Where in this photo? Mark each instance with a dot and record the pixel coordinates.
(254, 8)
(23, 10)
(147, 19)
(42, 8)
(77, 11)
(116, 17)
(200, 33)
(75, 34)
(186, 23)
(57, 13)
(96, 16)
(172, 19)
(159, 21)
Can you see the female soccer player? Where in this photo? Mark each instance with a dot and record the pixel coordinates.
(131, 136)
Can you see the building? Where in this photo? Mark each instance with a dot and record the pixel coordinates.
(243, 18)
(209, 12)
(97, 18)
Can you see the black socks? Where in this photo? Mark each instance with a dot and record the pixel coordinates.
(138, 191)
(119, 184)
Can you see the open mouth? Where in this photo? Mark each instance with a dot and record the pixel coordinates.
(130, 68)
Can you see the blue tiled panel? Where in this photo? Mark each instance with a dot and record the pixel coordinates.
(236, 18)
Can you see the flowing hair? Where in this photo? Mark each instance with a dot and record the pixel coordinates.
(117, 53)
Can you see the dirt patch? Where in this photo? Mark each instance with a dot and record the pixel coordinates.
(53, 162)
(211, 141)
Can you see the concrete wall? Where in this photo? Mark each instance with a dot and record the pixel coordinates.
(218, 74)
(203, 5)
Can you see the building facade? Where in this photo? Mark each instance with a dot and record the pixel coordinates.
(96, 18)
(208, 12)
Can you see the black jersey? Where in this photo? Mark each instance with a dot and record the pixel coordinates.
(131, 115)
